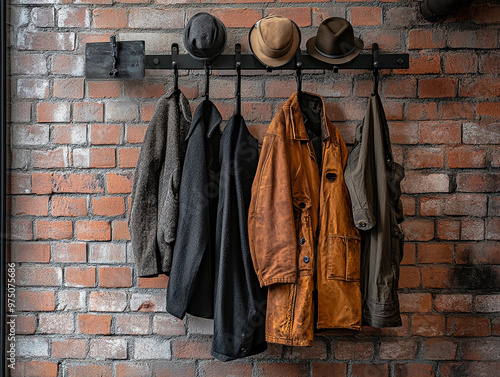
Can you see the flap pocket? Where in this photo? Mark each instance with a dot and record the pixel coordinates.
(344, 257)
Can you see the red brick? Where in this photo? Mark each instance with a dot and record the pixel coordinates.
(415, 302)
(53, 112)
(488, 109)
(437, 87)
(486, 13)
(107, 301)
(493, 229)
(120, 231)
(127, 157)
(480, 87)
(426, 38)
(35, 300)
(495, 326)
(32, 88)
(101, 158)
(400, 87)
(80, 276)
(55, 323)
(448, 230)
(89, 370)
(135, 133)
(35, 368)
(141, 89)
(69, 348)
(485, 349)
(436, 277)
(110, 18)
(216, 368)
(108, 348)
(424, 158)
(413, 370)
(466, 157)
(39, 276)
(457, 110)
(440, 349)
(68, 206)
(275, 88)
(481, 38)
(144, 18)
(19, 183)
(237, 18)
(20, 230)
(301, 16)
(25, 324)
(111, 277)
(472, 230)
(317, 351)
(425, 183)
(30, 252)
(70, 134)
(191, 349)
(281, 369)
(398, 349)
(46, 41)
(55, 230)
(108, 206)
(409, 277)
(468, 326)
(94, 324)
(119, 183)
(104, 89)
(68, 88)
(461, 63)
(148, 110)
(20, 112)
(69, 252)
(329, 369)
(78, 183)
(131, 369)
(31, 205)
(409, 256)
(490, 63)
(88, 112)
(440, 133)
(56, 158)
(363, 370)
(435, 253)
(428, 325)
(159, 281)
(366, 16)
(421, 111)
(453, 303)
(105, 134)
(477, 182)
(487, 303)
(256, 112)
(93, 230)
(463, 368)
(423, 63)
(68, 65)
(168, 325)
(353, 350)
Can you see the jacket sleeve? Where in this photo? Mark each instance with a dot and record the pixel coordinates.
(358, 175)
(271, 225)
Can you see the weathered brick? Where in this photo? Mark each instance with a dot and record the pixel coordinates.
(437, 87)
(108, 348)
(94, 323)
(71, 300)
(317, 351)
(148, 302)
(133, 369)
(33, 88)
(88, 112)
(107, 301)
(366, 16)
(35, 368)
(457, 110)
(361, 370)
(111, 277)
(38, 276)
(93, 230)
(25, 324)
(86, 370)
(440, 133)
(59, 323)
(168, 325)
(329, 369)
(426, 38)
(152, 348)
(68, 88)
(485, 349)
(30, 135)
(142, 18)
(132, 324)
(428, 325)
(487, 303)
(398, 349)
(119, 183)
(30, 205)
(105, 134)
(30, 252)
(69, 252)
(104, 89)
(53, 112)
(349, 350)
(69, 348)
(424, 158)
(68, 65)
(55, 230)
(46, 41)
(453, 302)
(77, 183)
(79, 276)
(32, 346)
(70, 134)
(43, 17)
(73, 17)
(120, 230)
(110, 18)
(34, 300)
(425, 183)
(477, 182)
(68, 206)
(421, 111)
(50, 159)
(440, 349)
(448, 230)
(465, 62)
(468, 326)
(413, 370)
(300, 15)
(493, 229)
(121, 112)
(482, 39)
(415, 302)
(106, 252)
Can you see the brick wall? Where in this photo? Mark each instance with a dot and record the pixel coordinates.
(82, 310)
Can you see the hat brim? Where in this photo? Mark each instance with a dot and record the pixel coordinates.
(274, 62)
(358, 47)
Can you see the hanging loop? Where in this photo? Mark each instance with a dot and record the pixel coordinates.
(114, 54)
(298, 70)
(375, 67)
(237, 50)
(175, 66)
(207, 79)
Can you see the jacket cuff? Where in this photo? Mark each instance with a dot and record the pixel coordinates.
(269, 281)
(364, 219)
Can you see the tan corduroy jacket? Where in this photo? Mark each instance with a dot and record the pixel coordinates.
(304, 244)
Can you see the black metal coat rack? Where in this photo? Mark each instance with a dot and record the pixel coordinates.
(127, 60)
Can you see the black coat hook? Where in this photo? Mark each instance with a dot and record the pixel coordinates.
(237, 50)
(298, 70)
(175, 65)
(207, 78)
(375, 67)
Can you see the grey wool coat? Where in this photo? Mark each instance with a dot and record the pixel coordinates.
(373, 180)
(154, 209)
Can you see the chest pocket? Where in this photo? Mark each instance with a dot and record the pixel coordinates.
(344, 257)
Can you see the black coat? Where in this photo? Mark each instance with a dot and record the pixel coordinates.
(212, 273)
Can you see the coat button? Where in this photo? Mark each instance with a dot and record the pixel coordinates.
(306, 259)
(362, 224)
(331, 176)
(302, 205)
(302, 241)
(243, 350)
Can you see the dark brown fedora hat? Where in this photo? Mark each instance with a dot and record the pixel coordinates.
(334, 42)
(274, 40)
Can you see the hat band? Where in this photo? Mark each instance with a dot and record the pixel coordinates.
(270, 52)
(335, 56)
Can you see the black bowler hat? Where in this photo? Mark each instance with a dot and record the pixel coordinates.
(204, 36)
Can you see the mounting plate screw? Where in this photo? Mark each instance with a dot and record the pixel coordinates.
(156, 61)
(400, 61)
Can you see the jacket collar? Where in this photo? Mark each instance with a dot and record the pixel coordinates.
(298, 127)
(207, 115)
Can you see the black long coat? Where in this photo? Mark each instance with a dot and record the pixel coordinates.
(212, 273)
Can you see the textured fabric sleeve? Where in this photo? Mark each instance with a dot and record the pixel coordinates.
(271, 225)
(143, 219)
(358, 175)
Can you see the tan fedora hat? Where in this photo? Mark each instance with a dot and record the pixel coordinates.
(274, 40)
(334, 42)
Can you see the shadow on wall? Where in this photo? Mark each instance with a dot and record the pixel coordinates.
(480, 277)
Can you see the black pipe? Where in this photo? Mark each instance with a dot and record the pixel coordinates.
(3, 179)
(434, 10)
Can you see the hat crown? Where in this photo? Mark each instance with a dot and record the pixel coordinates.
(276, 32)
(204, 36)
(335, 37)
